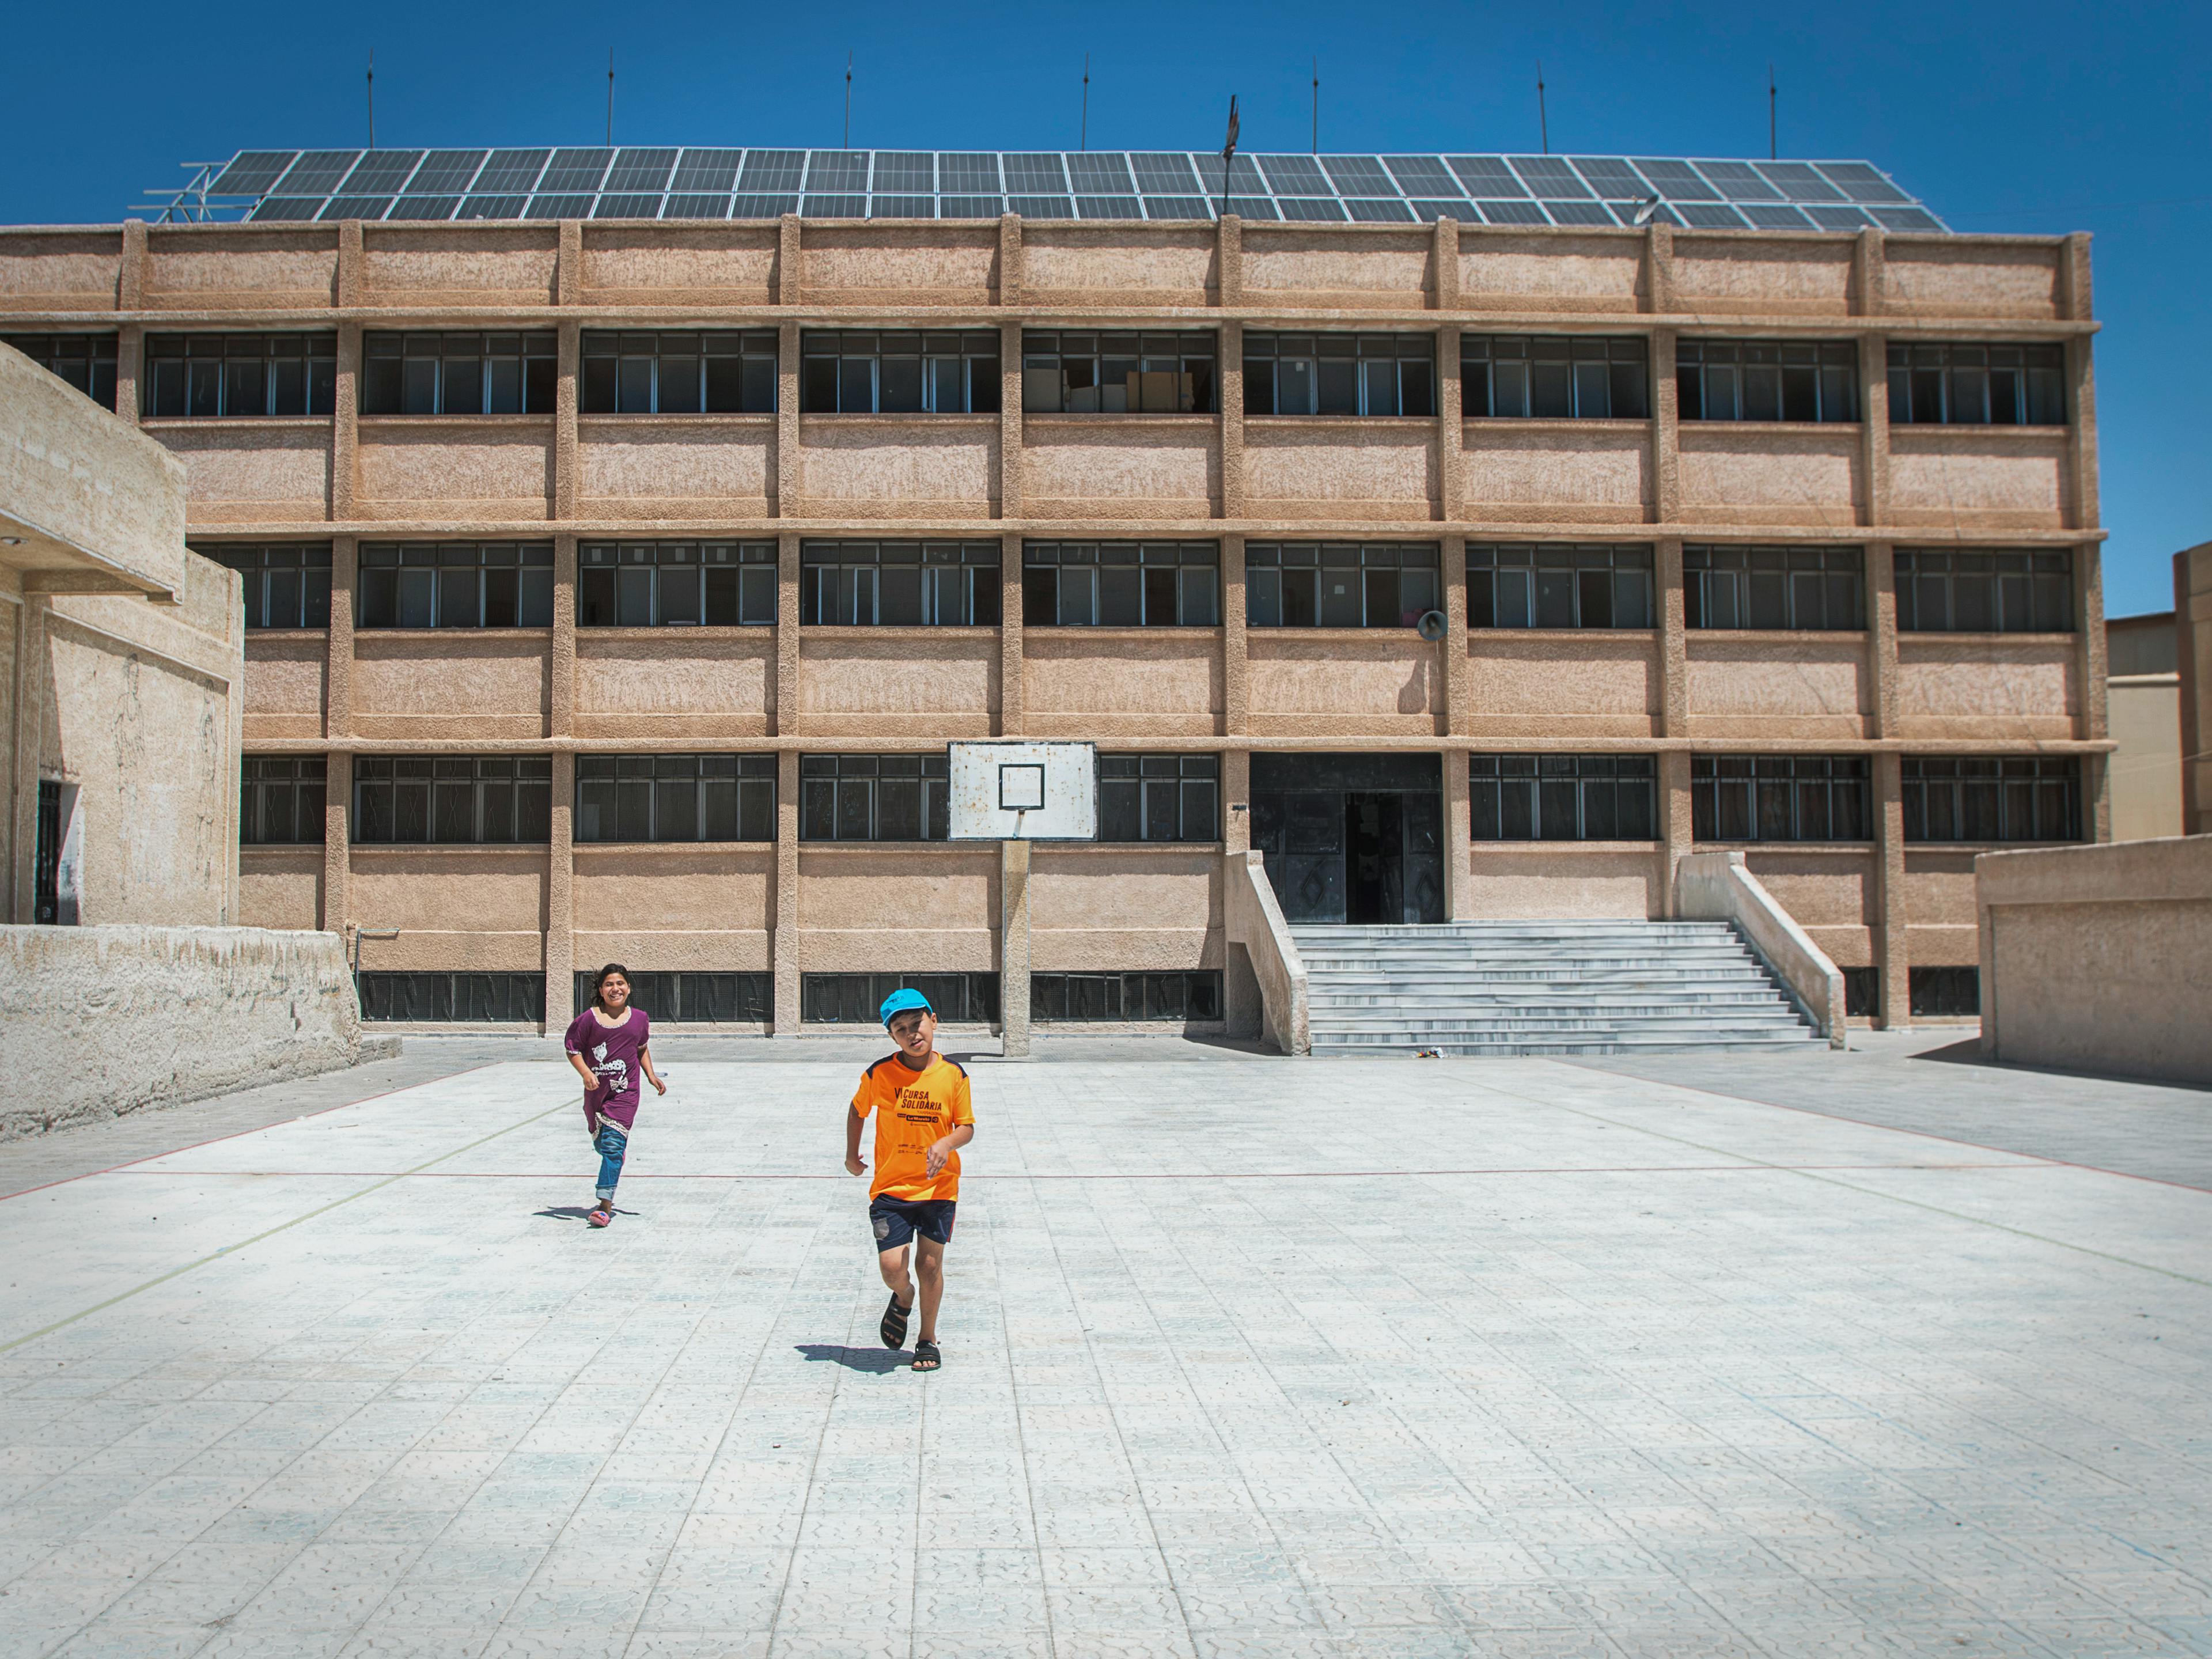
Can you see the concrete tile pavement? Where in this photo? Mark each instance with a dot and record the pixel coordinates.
(1353, 1358)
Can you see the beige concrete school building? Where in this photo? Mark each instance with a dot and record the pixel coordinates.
(1783, 542)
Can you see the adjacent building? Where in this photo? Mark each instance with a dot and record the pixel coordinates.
(2142, 703)
(1475, 536)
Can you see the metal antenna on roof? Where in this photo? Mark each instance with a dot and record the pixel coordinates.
(1771, 150)
(372, 97)
(848, 100)
(1543, 124)
(1083, 138)
(1316, 90)
(1227, 154)
(611, 97)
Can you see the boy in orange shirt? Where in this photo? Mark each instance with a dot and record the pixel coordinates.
(923, 1118)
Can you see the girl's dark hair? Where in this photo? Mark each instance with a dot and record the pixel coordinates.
(600, 978)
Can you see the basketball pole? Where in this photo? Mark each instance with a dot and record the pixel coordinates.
(1014, 877)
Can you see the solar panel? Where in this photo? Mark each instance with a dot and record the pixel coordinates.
(444, 173)
(671, 182)
(712, 171)
(906, 172)
(251, 171)
(642, 170)
(382, 172)
(1100, 172)
(1358, 175)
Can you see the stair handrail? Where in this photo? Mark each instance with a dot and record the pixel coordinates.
(1718, 887)
(1252, 917)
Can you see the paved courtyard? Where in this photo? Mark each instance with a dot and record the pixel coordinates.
(1243, 1357)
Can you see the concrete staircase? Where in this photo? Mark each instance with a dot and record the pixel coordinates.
(1541, 988)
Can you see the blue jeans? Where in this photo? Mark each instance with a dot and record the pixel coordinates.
(610, 1143)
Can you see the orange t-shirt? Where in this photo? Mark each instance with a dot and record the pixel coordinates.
(912, 1110)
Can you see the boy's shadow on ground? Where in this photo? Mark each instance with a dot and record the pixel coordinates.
(572, 1211)
(875, 1360)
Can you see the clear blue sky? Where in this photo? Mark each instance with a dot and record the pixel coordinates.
(2025, 117)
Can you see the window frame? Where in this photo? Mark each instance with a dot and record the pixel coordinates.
(1956, 383)
(2044, 789)
(670, 996)
(1192, 569)
(261, 567)
(404, 366)
(826, 391)
(1633, 577)
(1484, 387)
(614, 791)
(1050, 356)
(1777, 792)
(301, 781)
(525, 790)
(384, 585)
(1271, 603)
(1268, 388)
(2026, 588)
(613, 579)
(1178, 792)
(1549, 785)
(853, 588)
(460, 990)
(1710, 373)
(190, 376)
(965, 998)
(607, 382)
(1726, 588)
(59, 354)
(1191, 996)
(836, 791)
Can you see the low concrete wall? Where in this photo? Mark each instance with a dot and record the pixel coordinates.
(96, 1022)
(1255, 921)
(2100, 958)
(1716, 887)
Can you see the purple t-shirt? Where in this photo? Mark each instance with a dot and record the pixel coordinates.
(611, 1052)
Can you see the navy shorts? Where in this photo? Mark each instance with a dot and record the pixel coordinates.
(896, 1220)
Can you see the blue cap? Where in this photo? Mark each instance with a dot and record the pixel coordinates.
(899, 1001)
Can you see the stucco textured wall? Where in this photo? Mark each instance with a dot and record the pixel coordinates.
(98, 1021)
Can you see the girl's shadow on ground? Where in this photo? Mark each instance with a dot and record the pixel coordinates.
(876, 1360)
(572, 1211)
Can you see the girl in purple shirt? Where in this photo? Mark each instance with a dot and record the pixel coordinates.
(606, 1044)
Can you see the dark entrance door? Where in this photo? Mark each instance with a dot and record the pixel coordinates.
(1352, 838)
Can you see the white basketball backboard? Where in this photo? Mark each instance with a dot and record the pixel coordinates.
(1023, 791)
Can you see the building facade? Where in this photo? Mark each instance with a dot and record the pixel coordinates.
(613, 587)
(2142, 703)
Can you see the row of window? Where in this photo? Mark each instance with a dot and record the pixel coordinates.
(720, 999)
(910, 583)
(1141, 798)
(952, 371)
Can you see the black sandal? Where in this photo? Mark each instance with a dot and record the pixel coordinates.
(927, 1358)
(893, 1329)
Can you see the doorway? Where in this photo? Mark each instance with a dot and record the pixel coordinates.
(1356, 839)
(1374, 858)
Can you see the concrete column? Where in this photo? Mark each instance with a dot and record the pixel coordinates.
(790, 259)
(1674, 638)
(131, 268)
(1893, 939)
(568, 267)
(2089, 626)
(1010, 419)
(338, 844)
(345, 427)
(1874, 430)
(1236, 666)
(1659, 268)
(561, 896)
(338, 647)
(561, 656)
(786, 720)
(1237, 800)
(784, 942)
(1458, 671)
(29, 743)
(1459, 844)
(346, 291)
(1869, 274)
(130, 350)
(1882, 640)
(1443, 280)
(2192, 630)
(1010, 259)
(1014, 948)
(787, 482)
(566, 402)
(1013, 684)
(1666, 431)
(1677, 823)
(1452, 442)
(1231, 378)
(1229, 276)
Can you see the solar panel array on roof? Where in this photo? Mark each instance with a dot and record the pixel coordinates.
(668, 182)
